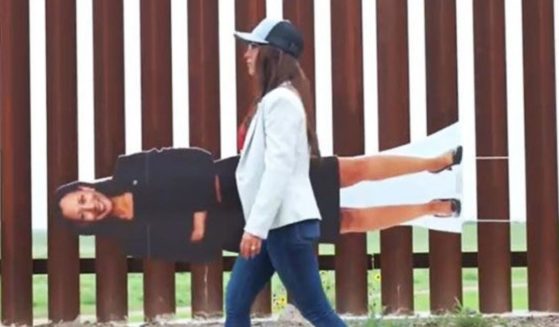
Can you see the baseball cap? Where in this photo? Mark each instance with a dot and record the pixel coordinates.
(281, 34)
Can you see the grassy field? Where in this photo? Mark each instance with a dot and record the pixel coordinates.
(421, 278)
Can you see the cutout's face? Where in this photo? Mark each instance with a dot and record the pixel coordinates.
(85, 205)
(250, 56)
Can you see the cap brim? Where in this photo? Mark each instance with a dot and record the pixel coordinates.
(249, 37)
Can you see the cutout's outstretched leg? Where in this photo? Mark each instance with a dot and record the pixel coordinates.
(375, 218)
(356, 169)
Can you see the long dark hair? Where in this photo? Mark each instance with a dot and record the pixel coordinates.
(274, 67)
(108, 226)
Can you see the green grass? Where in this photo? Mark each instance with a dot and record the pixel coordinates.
(182, 280)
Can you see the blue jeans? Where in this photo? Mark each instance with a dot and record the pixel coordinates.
(289, 251)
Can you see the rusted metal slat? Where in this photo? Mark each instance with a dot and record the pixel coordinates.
(394, 130)
(108, 37)
(349, 134)
(541, 154)
(63, 249)
(207, 279)
(15, 156)
(301, 14)
(492, 175)
(157, 127)
(248, 13)
(442, 110)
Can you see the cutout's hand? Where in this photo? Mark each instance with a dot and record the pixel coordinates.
(198, 226)
(217, 189)
(250, 246)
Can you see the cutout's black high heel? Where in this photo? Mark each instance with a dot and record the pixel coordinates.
(455, 206)
(456, 160)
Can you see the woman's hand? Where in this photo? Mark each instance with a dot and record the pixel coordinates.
(250, 245)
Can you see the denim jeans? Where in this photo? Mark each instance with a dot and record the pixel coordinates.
(289, 251)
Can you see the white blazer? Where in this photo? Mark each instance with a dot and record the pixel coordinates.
(273, 170)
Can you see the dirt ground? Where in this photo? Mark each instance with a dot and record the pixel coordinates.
(291, 317)
(538, 321)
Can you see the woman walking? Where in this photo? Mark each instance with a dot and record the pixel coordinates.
(281, 214)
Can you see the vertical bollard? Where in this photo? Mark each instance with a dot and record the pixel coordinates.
(108, 38)
(15, 156)
(63, 250)
(541, 155)
(157, 131)
(394, 130)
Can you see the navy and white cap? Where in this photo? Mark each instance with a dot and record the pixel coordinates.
(280, 34)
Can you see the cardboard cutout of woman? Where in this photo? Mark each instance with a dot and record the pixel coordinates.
(178, 204)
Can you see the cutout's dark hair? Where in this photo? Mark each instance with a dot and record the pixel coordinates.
(106, 227)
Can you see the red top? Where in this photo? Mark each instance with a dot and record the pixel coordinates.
(241, 135)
